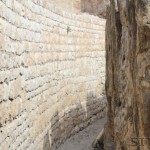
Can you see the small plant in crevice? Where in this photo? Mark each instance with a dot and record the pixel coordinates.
(68, 29)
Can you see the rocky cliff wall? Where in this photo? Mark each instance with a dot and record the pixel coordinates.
(95, 7)
(52, 73)
(128, 75)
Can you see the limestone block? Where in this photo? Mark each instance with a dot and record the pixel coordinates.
(15, 88)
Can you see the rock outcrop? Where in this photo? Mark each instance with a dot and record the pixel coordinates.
(95, 7)
(128, 75)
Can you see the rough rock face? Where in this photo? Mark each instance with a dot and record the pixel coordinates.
(95, 7)
(128, 75)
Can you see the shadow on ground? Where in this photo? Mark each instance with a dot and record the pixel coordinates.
(73, 119)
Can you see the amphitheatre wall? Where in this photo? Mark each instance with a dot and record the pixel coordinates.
(52, 74)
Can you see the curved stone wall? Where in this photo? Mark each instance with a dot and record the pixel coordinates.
(52, 74)
(73, 6)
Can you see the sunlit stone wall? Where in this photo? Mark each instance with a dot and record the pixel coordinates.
(52, 73)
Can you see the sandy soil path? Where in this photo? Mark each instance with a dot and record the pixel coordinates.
(83, 140)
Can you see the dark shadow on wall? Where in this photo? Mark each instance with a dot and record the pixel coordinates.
(73, 119)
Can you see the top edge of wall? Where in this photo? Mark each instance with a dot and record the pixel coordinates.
(79, 16)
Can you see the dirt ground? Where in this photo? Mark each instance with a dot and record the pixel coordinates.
(84, 139)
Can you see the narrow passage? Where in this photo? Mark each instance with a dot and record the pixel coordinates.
(83, 140)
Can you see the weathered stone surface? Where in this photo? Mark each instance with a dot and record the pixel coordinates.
(73, 6)
(95, 7)
(49, 89)
(127, 74)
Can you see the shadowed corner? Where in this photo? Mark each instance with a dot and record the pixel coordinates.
(73, 119)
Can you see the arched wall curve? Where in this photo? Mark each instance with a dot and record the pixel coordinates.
(52, 74)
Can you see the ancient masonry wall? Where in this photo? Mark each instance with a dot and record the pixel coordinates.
(52, 72)
(67, 5)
